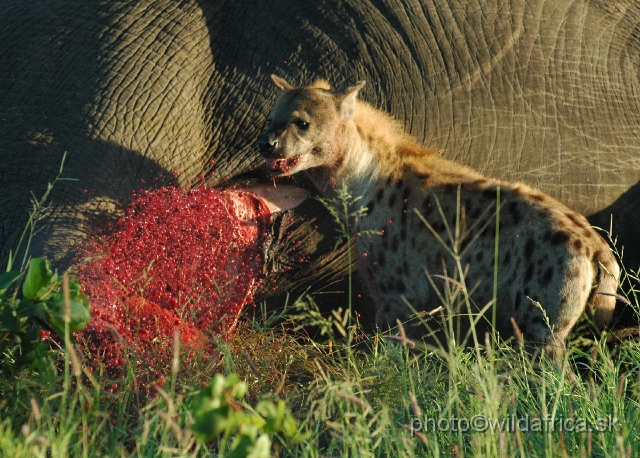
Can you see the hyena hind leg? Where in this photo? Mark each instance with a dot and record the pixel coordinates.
(574, 297)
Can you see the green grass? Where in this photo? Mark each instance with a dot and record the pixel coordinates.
(351, 394)
(386, 400)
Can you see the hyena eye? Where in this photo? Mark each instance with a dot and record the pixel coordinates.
(300, 124)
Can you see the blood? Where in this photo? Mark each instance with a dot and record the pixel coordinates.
(178, 260)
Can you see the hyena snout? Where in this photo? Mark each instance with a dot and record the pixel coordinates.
(274, 155)
(267, 144)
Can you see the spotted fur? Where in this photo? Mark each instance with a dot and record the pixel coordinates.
(551, 263)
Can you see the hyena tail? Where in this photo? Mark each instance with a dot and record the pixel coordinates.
(602, 301)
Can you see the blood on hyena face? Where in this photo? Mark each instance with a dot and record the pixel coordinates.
(300, 131)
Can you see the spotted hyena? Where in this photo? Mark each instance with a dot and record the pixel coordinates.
(430, 211)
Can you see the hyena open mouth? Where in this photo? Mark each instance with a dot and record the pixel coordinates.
(283, 165)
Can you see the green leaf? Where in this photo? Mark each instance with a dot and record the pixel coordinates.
(9, 323)
(7, 278)
(248, 447)
(240, 448)
(79, 314)
(278, 418)
(74, 287)
(38, 276)
(29, 344)
(262, 449)
(209, 424)
(28, 308)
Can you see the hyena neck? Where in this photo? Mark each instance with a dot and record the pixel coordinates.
(369, 149)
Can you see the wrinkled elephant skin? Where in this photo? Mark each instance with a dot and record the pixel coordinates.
(141, 93)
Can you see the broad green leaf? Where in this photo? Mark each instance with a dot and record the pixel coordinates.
(28, 308)
(278, 418)
(9, 322)
(29, 346)
(79, 314)
(208, 425)
(262, 449)
(240, 447)
(38, 276)
(7, 278)
(74, 287)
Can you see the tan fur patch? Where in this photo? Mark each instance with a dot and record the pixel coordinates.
(321, 83)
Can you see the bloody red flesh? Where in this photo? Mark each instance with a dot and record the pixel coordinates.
(178, 260)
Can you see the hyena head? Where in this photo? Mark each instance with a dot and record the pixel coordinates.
(301, 131)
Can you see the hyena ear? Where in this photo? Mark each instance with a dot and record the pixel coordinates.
(348, 101)
(322, 83)
(281, 83)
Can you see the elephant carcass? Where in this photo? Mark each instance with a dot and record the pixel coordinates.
(141, 93)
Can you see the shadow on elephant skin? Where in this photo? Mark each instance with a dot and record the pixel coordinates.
(101, 179)
(625, 213)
